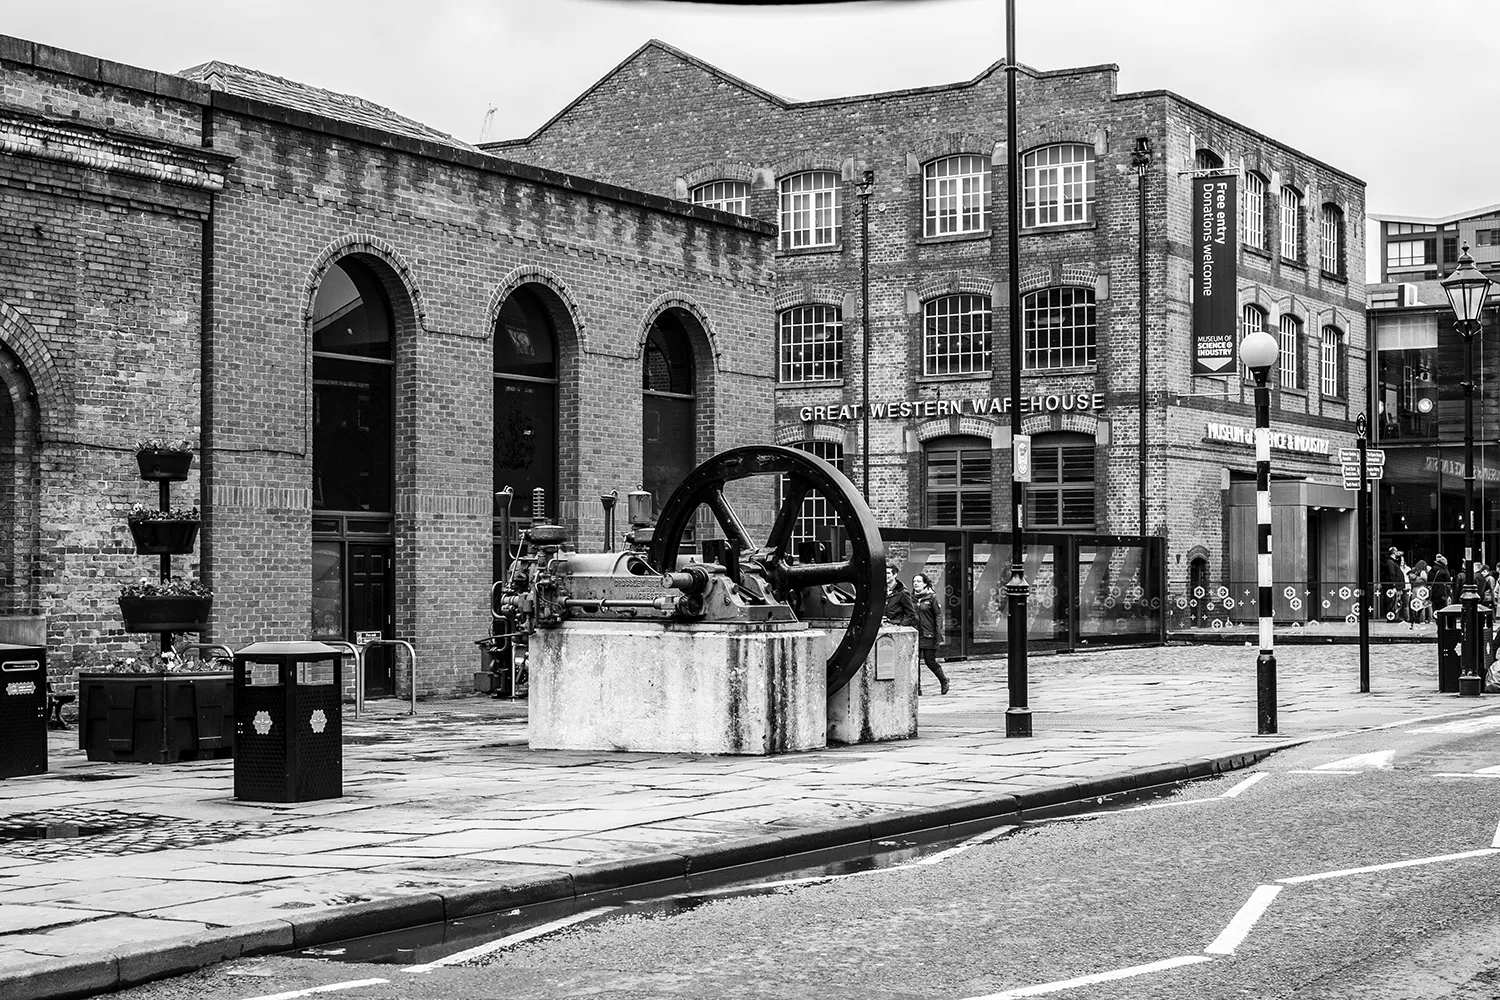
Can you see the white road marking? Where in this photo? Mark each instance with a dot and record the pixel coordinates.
(1234, 934)
(1463, 774)
(983, 838)
(1496, 841)
(1097, 977)
(1243, 785)
(331, 988)
(1461, 725)
(1325, 771)
(1380, 760)
(1482, 852)
(505, 942)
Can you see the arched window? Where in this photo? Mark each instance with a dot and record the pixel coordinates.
(1060, 495)
(956, 483)
(726, 196)
(811, 344)
(1057, 185)
(1291, 224)
(1290, 373)
(1331, 245)
(525, 403)
(353, 537)
(1255, 211)
(956, 335)
(1059, 328)
(669, 427)
(956, 195)
(1207, 159)
(1335, 363)
(810, 210)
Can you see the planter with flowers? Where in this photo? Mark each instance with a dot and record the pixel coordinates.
(164, 461)
(170, 532)
(173, 605)
(156, 708)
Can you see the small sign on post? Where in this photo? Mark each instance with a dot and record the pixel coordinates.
(365, 638)
(1021, 455)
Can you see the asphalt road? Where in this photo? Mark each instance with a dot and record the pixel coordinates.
(1263, 883)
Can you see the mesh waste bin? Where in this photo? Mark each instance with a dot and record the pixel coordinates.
(23, 710)
(288, 743)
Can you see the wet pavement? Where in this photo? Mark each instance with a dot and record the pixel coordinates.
(442, 807)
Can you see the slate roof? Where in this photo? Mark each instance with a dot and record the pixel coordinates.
(259, 86)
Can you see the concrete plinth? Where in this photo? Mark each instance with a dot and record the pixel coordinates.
(689, 689)
(880, 701)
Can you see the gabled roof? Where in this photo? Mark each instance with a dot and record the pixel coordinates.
(259, 86)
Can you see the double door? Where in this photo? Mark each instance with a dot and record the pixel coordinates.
(353, 591)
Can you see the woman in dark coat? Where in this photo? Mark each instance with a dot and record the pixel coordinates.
(929, 626)
(1441, 582)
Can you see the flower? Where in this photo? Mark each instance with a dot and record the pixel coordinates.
(164, 444)
(174, 587)
(140, 512)
(160, 661)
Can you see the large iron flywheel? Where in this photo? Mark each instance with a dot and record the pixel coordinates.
(861, 575)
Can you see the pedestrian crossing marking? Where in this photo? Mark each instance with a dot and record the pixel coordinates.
(1380, 760)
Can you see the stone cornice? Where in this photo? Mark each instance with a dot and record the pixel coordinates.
(42, 139)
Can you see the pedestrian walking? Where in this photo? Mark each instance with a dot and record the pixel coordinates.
(929, 627)
(1391, 583)
(1442, 582)
(898, 607)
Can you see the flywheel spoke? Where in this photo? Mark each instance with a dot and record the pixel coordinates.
(729, 521)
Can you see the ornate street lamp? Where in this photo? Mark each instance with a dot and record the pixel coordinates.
(1258, 351)
(866, 188)
(1467, 288)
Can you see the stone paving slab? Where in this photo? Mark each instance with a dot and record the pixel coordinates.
(441, 805)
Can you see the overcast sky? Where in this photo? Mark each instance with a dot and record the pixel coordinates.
(1400, 94)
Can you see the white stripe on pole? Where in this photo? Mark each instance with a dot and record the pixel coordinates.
(1263, 508)
(1265, 634)
(1263, 569)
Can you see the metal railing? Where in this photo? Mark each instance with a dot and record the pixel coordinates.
(183, 647)
(359, 689)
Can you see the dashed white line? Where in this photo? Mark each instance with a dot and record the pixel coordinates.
(1482, 852)
(1243, 785)
(331, 988)
(505, 942)
(1235, 932)
(1097, 977)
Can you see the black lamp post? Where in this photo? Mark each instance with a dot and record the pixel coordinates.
(1467, 289)
(1018, 715)
(1140, 161)
(1258, 351)
(866, 188)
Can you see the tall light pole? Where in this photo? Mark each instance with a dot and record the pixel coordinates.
(866, 188)
(1467, 289)
(1018, 715)
(1140, 159)
(1258, 351)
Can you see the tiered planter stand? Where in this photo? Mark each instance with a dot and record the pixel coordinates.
(159, 718)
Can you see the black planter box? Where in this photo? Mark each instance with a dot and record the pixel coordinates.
(164, 537)
(165, 614)
(155, 718)
(164, 466)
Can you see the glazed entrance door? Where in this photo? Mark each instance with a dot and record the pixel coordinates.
(372, 593)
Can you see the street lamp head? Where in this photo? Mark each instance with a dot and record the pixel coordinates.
(1140, 158)
(1466, 288)
(1259, 350)
(867, 183)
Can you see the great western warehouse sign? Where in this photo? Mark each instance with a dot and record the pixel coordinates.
(923, 408)
(1240, 434)
(1214, 283)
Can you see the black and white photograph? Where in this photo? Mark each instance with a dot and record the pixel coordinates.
(657, 499)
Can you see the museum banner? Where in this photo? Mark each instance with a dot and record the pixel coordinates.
(1215, 251)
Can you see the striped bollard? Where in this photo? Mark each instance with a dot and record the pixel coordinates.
(1258, 351)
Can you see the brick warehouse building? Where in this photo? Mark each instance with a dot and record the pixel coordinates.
(364, 327)
(668, 123)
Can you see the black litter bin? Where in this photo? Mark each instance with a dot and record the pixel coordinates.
(23, 710)
(288, 722)
(1450, 636)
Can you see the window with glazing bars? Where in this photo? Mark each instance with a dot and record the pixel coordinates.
(1058, 324)
(817, 519)
(811, 344)
(1061, 492)
(810, 210)
(956, 195)
(727, 196)
(1207, 159)
(1058, 184)
(1254, 321)
(1291, 224)
(1333, 362)
(957, 490)
(1255, 211)
(1406, 253)
(956, 338)
(1332, 258)
(1289, 374)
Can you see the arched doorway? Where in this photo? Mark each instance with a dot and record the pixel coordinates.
(19, 510)
(353, 559)
(526, 378)
(668, 408)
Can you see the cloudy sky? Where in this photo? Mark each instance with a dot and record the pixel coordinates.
(1398, 93)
